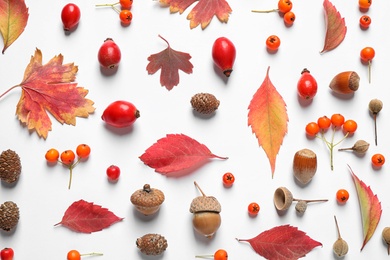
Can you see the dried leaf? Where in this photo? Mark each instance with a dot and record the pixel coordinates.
(175, 153)
(203, 11)
(86, 217)
(170, 62)
(268, 118)
(13, 20)
(335, 27)
(282, 243)
(370, 208)
(51, 87)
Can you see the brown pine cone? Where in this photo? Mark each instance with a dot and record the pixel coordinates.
(204, 103)
(10, 166)
(152, 244)
(9, 215)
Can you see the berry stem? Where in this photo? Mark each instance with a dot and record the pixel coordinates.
(70, 176)
(369, 71)
(376, 136)
(8, 90)
(337, 226)
(91, 254)
(204, 256)
(265, 11)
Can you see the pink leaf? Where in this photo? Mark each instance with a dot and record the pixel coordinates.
(86, 217)
(282, 243)
(370, 208)
(175, 153)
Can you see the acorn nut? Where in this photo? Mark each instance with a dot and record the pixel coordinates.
(147, 200)
(304, 165)
(152, 244)
(345, 82)
(206, 218)
(9, 215)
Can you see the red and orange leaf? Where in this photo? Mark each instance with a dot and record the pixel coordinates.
(51, 88)
(268, 118)
(86, 217)
(203, 11)
(335, 27)
(13, 20)
(370, 208)
(170, 62)
(175, 154)
(282, 243)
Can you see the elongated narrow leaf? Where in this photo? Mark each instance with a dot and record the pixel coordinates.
(175, 153)
(370, 208)
(335, 27)
(268, 118)
(86, 217)
(282, 243)
(13, 20)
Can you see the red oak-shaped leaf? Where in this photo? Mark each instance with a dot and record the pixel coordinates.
(170, 62)
(282, 243)
(203, 11)
(370, 208)
(86, 217)
(268, 118)
(335, 27)
(13, 20)
(176, 153)
(51, 88)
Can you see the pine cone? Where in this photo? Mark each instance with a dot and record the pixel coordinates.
(204, 103)
(9, 215)
(10, 166)
(152, 244)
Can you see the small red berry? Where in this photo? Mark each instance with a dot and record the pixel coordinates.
(228, 179)
(307, 85)
(113, 172)
(224, 55)
(7, 254)
(109, 54)
(70, 16)
(253, 208)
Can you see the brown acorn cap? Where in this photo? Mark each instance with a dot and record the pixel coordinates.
(152, 244)
(205, 204)
(147, 197)
(9, 215)
(10, 166)
(204, 103)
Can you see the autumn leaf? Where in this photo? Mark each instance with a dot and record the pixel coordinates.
(370, 208)
(51, 88)
(86, 217)
(203, 11)
(282, 243)
(268, 118)
(335, 27)
(175, 153)
(170, 62)
(13, 20)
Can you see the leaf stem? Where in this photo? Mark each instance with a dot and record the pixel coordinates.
(8, 90)
(164, 39)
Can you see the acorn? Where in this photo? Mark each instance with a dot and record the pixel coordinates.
(204, 103)
(9, 215)
(386, 238)
(345, 82)
(10, 166)
(206, 218)
(304, 165)
(152, 244)
(147, 200)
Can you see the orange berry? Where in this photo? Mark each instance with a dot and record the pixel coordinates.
(125, 16)
(220, 254)
(337, 120)
(73, 255)
(52, 155)
(67, 157)
(364, 4)
(83, 150)
(284, 6)
(289, 18)
(342, 196)
(350, 126)
(253, 208)
(378, 160)
(312, 128)
(324, 122)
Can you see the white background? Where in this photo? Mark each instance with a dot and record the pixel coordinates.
(42, 193)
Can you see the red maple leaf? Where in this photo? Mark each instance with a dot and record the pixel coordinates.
(86, 217)
(51, 88)
(203, 12)
(282, 243)
(170, 62)
(175, 153)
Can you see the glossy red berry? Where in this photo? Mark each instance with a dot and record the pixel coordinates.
(126, 4)
(109, 54)
(253, 208)
(224, 55)
(113, 172)
(228, 179)
(7, 254)
(70, 16)
(120, 114)
(307, 85)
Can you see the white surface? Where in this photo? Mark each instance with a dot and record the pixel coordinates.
(42, 193)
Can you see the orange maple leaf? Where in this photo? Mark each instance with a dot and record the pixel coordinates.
(203, 12)
(268, 118)
(51, 88)
(13, 20)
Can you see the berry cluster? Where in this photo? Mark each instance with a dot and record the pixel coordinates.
(337, 121)
(125, 15)
(284, 8)
(67, 157)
